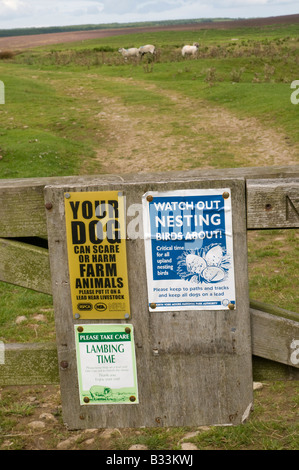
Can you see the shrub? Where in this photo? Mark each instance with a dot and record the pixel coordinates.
(6, 55)
(236, 74)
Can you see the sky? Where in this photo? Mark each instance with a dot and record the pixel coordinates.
(37, 13)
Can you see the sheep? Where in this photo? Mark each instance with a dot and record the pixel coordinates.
(149, 48)
(132, 52)
(190, 50)
(99, 392)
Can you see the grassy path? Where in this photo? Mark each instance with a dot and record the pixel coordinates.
(188, 134)
(137, 126)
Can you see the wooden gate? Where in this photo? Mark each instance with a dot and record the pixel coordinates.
(182, 379)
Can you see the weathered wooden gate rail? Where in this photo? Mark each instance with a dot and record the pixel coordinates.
(272, 202)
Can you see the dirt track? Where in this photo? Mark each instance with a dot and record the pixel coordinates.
(27, 42)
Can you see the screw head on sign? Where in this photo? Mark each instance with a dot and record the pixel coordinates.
(225, 195)
(149, 198)
(67, 195)
(128, 330)
(64, 364)
(80, 329)
(132, 398)
(86, 400)
(153, 305)
(231, 306)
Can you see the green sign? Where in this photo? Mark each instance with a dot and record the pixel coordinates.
(106, 364)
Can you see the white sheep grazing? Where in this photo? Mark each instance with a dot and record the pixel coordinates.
(190, 50)
(132, 52)
(149, 48)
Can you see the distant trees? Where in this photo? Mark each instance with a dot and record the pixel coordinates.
(88, 27)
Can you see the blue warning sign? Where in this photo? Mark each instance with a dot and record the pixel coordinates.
(189, 249)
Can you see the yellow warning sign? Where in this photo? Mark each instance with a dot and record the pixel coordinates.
(96, 243)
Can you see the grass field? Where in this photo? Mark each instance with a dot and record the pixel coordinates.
(79, 108)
